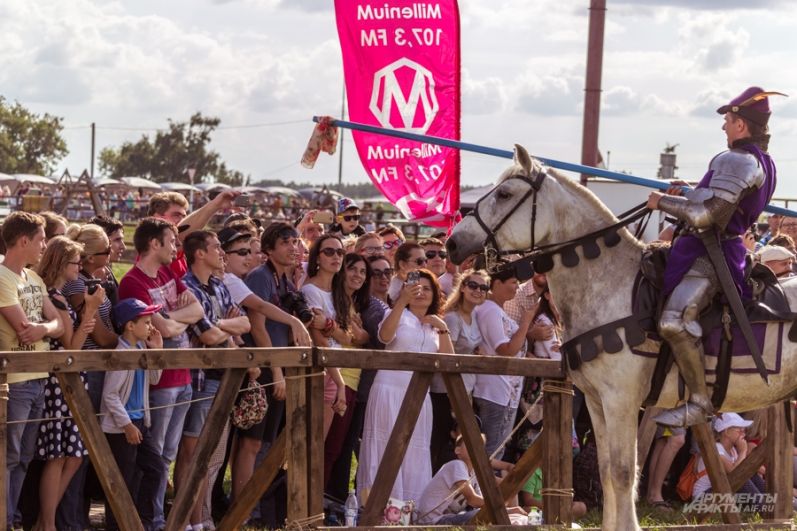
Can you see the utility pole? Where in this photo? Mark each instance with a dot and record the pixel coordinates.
(592, 89)
(342, 117)
(93, 136)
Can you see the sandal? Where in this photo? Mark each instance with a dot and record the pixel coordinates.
(661, 505)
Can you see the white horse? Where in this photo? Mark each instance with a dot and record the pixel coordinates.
(595, 292)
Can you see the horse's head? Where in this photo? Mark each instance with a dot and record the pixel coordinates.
(506, 218)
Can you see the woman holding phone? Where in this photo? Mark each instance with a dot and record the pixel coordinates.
(413, 325)
(409, 257)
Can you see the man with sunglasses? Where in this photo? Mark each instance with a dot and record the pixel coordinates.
(114, 229)
(436, 257)
(347, 222)
(392, 238)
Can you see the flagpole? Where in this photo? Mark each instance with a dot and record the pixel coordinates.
(506, 154)
(340, 155)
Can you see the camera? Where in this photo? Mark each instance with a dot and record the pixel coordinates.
(295, 303)
(243, 200)
(92, 284)
(413, 277)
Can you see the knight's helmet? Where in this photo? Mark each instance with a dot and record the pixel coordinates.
(752, 104)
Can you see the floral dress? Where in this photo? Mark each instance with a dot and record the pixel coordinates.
(58, 433)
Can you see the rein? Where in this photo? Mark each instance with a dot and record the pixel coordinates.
(542, 256)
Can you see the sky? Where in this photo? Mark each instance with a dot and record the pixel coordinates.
(265, 67)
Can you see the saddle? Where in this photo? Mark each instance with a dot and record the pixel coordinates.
(768, 304)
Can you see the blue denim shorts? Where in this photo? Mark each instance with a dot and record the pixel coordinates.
(198, 412)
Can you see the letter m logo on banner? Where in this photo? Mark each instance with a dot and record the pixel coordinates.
(402, 69)
(387, 95)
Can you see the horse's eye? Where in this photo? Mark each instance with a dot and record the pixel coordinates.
(502, 195)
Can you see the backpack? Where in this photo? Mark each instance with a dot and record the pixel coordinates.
(690, 475)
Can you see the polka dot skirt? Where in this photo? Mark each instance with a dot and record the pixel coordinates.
(58, 436)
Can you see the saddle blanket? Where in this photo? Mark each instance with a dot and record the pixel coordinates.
(769, 336)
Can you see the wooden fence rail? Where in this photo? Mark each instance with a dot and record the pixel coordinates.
(301, 445)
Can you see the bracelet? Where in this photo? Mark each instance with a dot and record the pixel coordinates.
(444, 331)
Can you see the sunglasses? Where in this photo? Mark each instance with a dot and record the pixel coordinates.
(379, 273)
(394, 243)
(241, 252)
(372, 250)
(74, 263)
(432, 254)
(105, 252)
(352, 217)
(419, 261)
(476, 286)
(330, 252)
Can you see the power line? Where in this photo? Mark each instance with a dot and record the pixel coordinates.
(220, 128)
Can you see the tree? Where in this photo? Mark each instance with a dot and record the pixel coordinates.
(29, 143)
(170, 154)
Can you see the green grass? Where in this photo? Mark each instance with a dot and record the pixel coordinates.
(120, 268)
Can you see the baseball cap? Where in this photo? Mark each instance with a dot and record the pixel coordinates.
(227, 236)
(768, 253)
(128, 309)
(730, 420)
(344, 204)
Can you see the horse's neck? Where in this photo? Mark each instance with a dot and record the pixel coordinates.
(597, 291)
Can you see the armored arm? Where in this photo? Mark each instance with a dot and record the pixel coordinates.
(735, 174)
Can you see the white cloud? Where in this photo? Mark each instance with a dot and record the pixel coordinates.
(482, 96)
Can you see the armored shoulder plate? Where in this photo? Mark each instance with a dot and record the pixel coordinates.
(734, 172)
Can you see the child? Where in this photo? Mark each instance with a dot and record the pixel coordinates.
(438, 505)
(125, 394)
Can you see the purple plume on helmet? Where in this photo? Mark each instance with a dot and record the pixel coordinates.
(752, 104)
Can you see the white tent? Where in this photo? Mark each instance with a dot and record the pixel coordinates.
(212, 186)
(179, 187)
(107, 183)
(281, 190)
(33, 179)
(138, 182)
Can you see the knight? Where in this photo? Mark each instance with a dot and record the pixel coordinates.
(729, 199)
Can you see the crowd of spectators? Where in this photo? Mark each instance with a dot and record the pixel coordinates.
(278, 284)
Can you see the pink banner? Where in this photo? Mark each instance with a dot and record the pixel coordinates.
(401, 64)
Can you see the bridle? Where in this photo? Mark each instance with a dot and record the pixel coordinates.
(491, 248)
(542, 256)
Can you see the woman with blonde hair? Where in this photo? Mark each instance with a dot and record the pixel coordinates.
(467, 293)
(93, 259)
(59, 443)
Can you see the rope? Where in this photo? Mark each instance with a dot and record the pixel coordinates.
(565, 493)
(554, 386)
(302, 524)
(155, 408)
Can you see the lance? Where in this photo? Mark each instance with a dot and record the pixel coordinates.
(506, 154)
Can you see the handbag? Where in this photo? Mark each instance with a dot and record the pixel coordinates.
(251, 408)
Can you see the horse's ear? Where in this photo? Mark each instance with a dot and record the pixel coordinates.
(523, 159)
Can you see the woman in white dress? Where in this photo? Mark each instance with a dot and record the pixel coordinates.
(413, 325)
(466, 294)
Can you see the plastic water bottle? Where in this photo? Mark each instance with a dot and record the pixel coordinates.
(351, 509)
(535, 516)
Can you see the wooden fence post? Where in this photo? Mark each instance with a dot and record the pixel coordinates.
(260, 481)
(466, 420)
(716, 471)
(315, 438)
(557, 463)
(77, 398)
(3, 444)
(296, 416)
(218, 416)
(780, 461)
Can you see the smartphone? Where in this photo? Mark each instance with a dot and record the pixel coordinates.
(413, 277)
(92, 284)
(324, 217)
(243, 200)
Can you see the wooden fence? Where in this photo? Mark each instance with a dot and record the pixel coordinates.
(300, 447)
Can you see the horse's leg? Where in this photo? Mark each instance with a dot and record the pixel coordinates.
(604, 458)
(621, 425)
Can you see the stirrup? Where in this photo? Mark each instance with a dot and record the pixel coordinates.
(688, 414)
